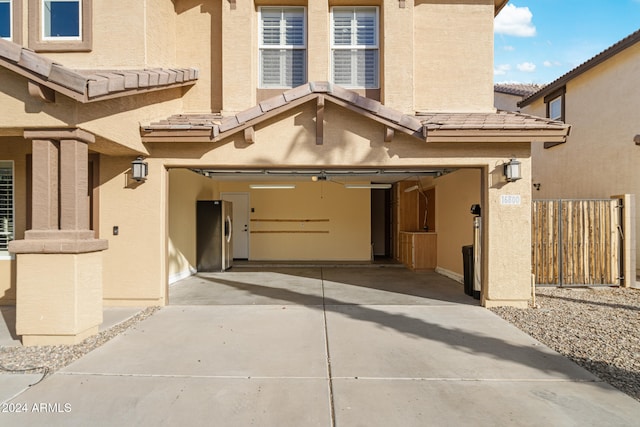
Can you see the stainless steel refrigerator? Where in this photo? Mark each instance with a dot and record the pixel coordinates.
(214, 228)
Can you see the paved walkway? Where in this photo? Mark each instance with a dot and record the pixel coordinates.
(323, 347)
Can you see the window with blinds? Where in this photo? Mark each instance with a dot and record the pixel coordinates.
(6, 205)
(354, 47)
(283, 47)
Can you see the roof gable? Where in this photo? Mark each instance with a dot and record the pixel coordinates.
(611, 51)
(430, 127)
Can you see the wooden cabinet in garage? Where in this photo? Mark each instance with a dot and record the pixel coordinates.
(418, 250)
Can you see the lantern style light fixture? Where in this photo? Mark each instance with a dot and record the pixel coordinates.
(512, 170)
(139, 169)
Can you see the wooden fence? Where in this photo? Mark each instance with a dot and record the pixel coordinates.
(576, 242)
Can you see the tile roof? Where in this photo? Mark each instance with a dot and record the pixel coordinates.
(90, 85)
(611, 51)
(500, 120)
(518, 89)
(213, 127)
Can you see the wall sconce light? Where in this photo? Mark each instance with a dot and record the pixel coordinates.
(536, 185)
(636, 139)
(139, 169)
(512, 170)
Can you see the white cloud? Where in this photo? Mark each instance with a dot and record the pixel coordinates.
(511, 48)
(553, 63)
(514, 21)
(501, 69)
(527, 67)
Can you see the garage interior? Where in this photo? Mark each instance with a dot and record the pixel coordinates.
(416, 217)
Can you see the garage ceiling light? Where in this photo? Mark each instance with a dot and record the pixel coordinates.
(370, 186)
(272, 186)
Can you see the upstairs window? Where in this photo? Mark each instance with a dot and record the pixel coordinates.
(354, 47)
(6, 206)
(6, 19)
(61, 19)
(11, 20)
(555, 104)
(283, 47)
(60, 25)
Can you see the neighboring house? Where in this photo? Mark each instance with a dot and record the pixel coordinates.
(222, 98)
(600, 99)
(506, 96)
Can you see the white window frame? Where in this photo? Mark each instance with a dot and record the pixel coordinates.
(262, 47)
(555, 101)
(11, 17)
(43, 14)
(355, 47)
(4, 253)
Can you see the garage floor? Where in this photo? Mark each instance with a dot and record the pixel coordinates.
(318, 286)
(323, 346)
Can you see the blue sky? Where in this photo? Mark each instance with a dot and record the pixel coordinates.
(537, 41)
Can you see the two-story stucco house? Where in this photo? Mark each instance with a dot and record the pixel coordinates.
(297, 110)
(600, 99)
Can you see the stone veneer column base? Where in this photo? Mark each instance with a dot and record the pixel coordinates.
(59, 297)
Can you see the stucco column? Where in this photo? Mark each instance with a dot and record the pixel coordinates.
(45, 184)
(59, 262)
(74, 176)
(506, 249)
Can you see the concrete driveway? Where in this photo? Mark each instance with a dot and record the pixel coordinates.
(321, 347)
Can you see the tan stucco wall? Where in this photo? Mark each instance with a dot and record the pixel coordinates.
(201, 49)
(69, 307)
(453, 55)
(134, 264)
(185, 188)
(600, 158)
(455, 193)
(345, 235)
(506, 102)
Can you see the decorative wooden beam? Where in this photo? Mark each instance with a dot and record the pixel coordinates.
(402, 4)
(38, 90)
(232, 4)
(389, 133)
(320, 120)
(249, 135)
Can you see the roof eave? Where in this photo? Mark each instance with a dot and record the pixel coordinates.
(499, 4)
(586, 66)
(497, 136)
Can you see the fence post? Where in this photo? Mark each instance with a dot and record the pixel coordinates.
(629, 242)
(560, 246)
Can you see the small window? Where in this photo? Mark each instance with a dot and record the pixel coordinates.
(555, 109)
(61, 19)
(555, 104)
(61, 25)
(354, 47)
(6, 19)
(283, 53)
(11, 20)
(6, 206)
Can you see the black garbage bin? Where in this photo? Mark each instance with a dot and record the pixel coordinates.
(467, 259)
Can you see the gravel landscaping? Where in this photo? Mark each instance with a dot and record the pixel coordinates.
(598, 328)
(48, 359)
